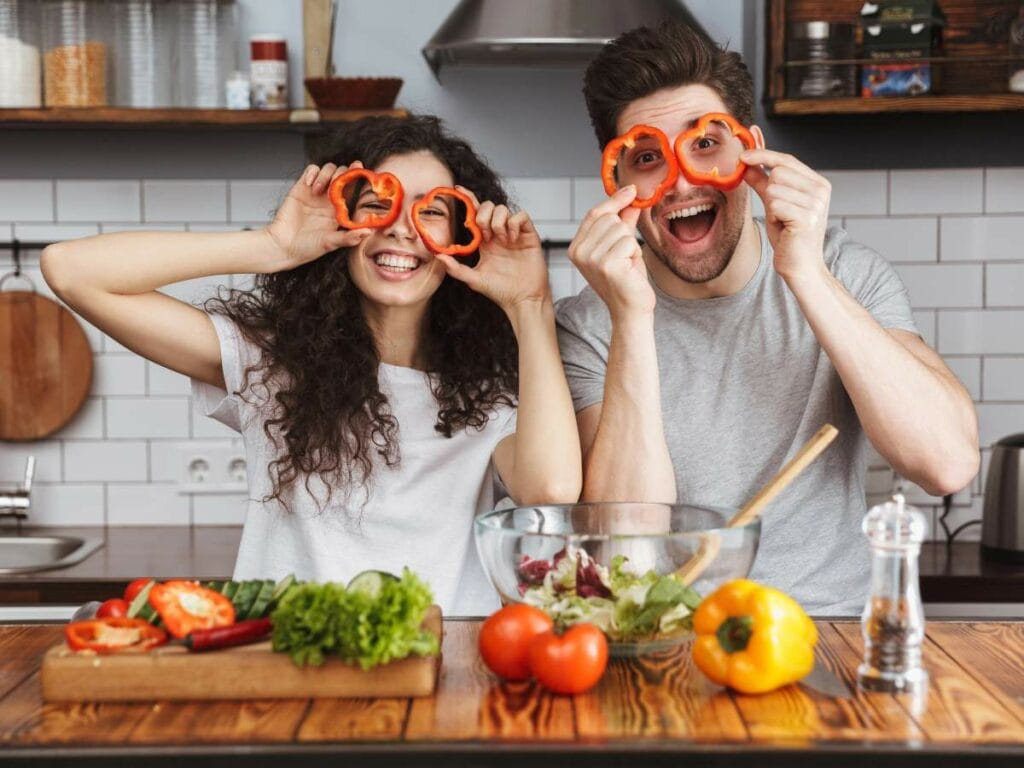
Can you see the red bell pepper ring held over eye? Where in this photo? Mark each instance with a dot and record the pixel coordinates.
(470, 222)
(385, 185)
(113, 634)
(610, 159)
(713, 177)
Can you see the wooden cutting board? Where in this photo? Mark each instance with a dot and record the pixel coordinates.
(45, 366)
(247, 672)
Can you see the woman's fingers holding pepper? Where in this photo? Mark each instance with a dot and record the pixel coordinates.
(345, 238)
(484, 212)
(458, 271)
(499, 223)
(519, 224)
(323, 178)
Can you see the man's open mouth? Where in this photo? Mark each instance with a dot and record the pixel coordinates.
(692, 224)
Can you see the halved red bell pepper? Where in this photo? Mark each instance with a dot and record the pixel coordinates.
(385, 185)
(113, 634)
(470, 222)
(713, 177)
(610, 159)
(184, 607)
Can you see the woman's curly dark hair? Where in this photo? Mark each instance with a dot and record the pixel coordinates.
(329, 409)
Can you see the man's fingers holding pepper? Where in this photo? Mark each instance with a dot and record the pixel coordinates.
(613, 205)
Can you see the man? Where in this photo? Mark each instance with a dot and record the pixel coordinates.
(702, 360)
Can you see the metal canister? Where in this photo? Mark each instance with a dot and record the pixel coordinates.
(824, 42)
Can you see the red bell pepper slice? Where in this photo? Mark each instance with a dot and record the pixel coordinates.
(713, 177)
(184, 607)
(610, 158)
(385, 186)
(469, 222)
(113, 634)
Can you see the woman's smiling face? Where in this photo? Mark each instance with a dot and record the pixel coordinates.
(392, 267)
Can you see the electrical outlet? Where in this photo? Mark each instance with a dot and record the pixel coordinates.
(212, 468)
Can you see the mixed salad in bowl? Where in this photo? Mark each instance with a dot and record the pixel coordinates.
(628, 607)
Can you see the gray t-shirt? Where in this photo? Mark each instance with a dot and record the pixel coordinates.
(744, 384)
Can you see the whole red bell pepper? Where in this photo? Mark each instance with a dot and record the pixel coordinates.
(610, 159)
(699, 131)
(113, 635)
(469, 222)
(184, 607)
(385, 185)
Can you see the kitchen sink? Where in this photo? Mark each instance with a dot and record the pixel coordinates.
(27, 554)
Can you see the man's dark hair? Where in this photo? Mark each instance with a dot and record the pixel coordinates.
(644, 60)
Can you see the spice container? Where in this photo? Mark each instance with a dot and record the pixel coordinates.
(893, 620)
(75, 53)
(819, 41)
(20, 74)
(141, 53)
(205, 34)
(269, 71)
(1017, 52)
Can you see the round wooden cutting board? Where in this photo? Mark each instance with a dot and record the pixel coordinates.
(45, 366)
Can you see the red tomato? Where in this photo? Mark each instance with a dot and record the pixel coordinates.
(572, 662)
(115, 607)
(505, 639)
(135, 587)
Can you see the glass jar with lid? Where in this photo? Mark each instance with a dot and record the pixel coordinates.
(141, 53)
(76, 53)
(20, 70)
(206, 43)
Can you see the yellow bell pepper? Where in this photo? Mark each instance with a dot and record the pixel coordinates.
(753, 638)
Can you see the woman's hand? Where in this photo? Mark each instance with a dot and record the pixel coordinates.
(512, 269)
(305, 227)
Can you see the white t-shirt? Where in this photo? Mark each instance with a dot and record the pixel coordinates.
(418, 514)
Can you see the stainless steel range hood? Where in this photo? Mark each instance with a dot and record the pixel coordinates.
(540, 33)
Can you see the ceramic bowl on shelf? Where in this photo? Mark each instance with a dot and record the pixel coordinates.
(636, 570)
(354, 92)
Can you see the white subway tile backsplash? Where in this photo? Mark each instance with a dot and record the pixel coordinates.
(943, 285)
(220, 509)
(176, 200)
(957, 517)
(93, 461)
(586, 193)
(981, 332)
(997, 420)
(164, 381)
(86, 424)
(1004, 190)
(937, 191)
(53, 233)
(99, 200)
(119, 374)
(256, 200)
(554, 230)
(1004, 286)
(897, 239)
(968, 370)
(48, 461)
(560, 277)
(164, 460)
(543, 199)
(976, 238)
(67, 504)
(858, 193)
(1003, 378)
(147, 417)
(26, 200)
(149, 504)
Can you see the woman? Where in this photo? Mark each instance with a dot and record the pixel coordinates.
(375, 383)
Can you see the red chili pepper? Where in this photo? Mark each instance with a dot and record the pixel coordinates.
(713, 177)
(469, 222)
(242, 633)
(385, 185)
(610, 158)
(184, 607)
(113, 634)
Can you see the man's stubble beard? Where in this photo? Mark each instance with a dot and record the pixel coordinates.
(716, 260)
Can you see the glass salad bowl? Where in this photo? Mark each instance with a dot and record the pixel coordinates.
(638, 571)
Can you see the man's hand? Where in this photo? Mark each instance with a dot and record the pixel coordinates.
(605, 250)
(796, 201)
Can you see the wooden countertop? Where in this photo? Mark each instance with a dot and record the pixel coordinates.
(661, 707)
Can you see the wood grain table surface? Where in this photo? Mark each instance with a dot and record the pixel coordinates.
(658, 710)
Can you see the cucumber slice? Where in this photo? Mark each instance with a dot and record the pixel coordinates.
(262, 602)
(230, 588)
(140, 601)
(282, 587)
(370, 582)
(245, 597)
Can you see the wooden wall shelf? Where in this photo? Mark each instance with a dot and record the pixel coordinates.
(975, 62)
(301, 121)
